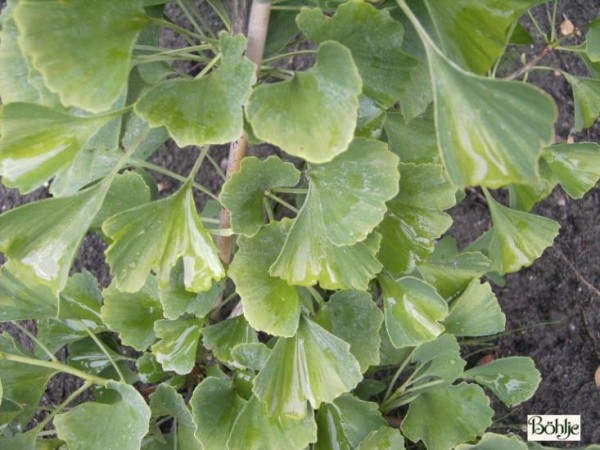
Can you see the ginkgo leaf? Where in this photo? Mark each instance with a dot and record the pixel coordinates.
(37, 142)
(176, 350)
(493, 441)
(254, 429)
(23, 385)
(133, 315)
(518, 238)
(413, 311)
(214, 424)
(223, 337)
(438, 360)
(59, 37)
(414, 142)
(252, 355)
(165, 401)
(345, 422)
(354, 317)
(386, 438)
(513, 379)
(85, 426)
(323, 100)
(524, 196)
(42, 238)
(491, 132)
(415, 217)
(23, 299)
(313, 365)
(462, 23)
(154, 236)
(206, 110)
(270, 304)
(367, 175)
(450, 271)
(475, 312)
(575, 166)
(177, 301)
(593, 40)
(375, 41)
(586, 95)
(244, 192)
(445, 417)
(19, 81)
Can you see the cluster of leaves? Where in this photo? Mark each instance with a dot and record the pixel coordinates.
(399, 114)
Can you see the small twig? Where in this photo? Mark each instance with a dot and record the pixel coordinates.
(531, 64)
(578, 274)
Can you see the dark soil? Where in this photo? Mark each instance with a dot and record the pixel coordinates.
(552, 308)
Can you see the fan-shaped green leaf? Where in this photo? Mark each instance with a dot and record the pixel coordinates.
(254, 429)
(450, 271)
(346, 422)
(313, 365)
(154, 236)
(593, 40)
(354, 317)
(85, 426)
(474, 33)
(42, 238)
(84, 354)
(176, 350)
(22, 299)
(518, 238)
(23, 385)
(367, 175)
(127, 190)
(323, 101)
(206, 110)
(513, 379)
(445, 417)
(413, 310)
(493, 441)
(214, 424)
(475, 313)
(414, 142)
(438, 360)
(524, 196)
(375, 41)
(222, 337)
(82, 49)
(177, 301)
(243, 193)
(575, 166)
(586, 95)
(253, 355)
(270, 304)
(19, 81)
(133, 315)
(415, 217)
(23, 441)
(491, 132)
(37, 142)
(386, 438)
(165, 401)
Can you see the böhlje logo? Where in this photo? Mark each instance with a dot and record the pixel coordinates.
(554, 427)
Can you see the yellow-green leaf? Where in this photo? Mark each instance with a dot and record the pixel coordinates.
(83, 49)
(313, 115)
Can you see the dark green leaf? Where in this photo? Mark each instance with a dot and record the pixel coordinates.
(586, 95)
(593, 40)
(438, 360)
(222, 338)
(25, 298)
(414, 142)
(165, 401)
(253, 355)
(354, 317)
(386, 438)
(446, 417)
(375, 41)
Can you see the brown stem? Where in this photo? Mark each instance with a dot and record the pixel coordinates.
(257, 34)
(531, 64)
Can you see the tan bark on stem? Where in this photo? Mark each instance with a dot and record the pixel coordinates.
(257, 34)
